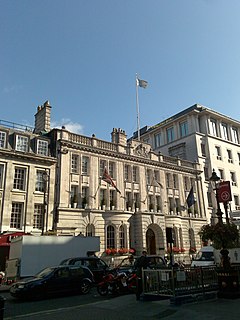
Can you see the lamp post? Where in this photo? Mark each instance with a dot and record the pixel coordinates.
(45, 183)
(215, 179)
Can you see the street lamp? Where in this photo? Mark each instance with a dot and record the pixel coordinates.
(215, 179)
(45, 177)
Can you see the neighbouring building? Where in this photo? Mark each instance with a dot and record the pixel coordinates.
(143, 204)
(207, 137)
(27, 177)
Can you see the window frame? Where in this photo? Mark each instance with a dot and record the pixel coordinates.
(85, 165)
(19, 180)
(158, 140)
(3, 140)
(40, 182)
(224, 129)
(127, 175)
(111, 169)
(102, 166)
(235, 137)
(183, 128)
(74, 163)
(16, 218)
(110, 237)
(170, 134)
(21, 143)
(121, 233)
(213, 127)
(42, 149)
(1, 175)
(38, 216)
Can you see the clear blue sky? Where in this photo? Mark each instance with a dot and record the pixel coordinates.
(83, 55)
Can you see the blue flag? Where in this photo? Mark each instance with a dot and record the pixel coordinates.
(190, 198)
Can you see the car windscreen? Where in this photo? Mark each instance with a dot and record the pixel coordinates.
(204, 256)
(45, 272)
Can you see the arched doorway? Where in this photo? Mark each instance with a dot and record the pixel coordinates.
(151, 242)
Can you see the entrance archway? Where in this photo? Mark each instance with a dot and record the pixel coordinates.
(151, 241)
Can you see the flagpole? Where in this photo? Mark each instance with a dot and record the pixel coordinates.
(137, 106)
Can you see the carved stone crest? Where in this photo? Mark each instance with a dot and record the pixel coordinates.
(142, 150)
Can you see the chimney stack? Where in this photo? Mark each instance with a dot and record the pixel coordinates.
(43, 118)
(119, 136)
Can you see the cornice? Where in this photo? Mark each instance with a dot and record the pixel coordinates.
(24, 156)
(127, 157)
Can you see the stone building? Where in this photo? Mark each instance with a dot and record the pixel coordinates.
(27, 177)
(142, 204)
(152, 198)
(211, 139)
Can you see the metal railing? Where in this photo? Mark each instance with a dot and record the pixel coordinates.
(178, 282)
(13, 125)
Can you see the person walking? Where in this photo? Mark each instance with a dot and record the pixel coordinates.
(141, 263)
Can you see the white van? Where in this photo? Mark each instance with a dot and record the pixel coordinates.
(208, 256)
(204, 257)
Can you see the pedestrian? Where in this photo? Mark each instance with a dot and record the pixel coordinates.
(141, 263)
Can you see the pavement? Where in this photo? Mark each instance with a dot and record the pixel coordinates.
(126, 307)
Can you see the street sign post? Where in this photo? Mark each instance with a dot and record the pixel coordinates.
(224, 191)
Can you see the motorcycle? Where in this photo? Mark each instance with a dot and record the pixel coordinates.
(117, 283)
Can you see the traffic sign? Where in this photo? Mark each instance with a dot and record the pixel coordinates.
(224, 191)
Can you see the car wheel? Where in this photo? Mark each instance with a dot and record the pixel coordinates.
(102, 290)
(85, 287)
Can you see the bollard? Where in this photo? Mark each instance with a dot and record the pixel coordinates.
(2, 303)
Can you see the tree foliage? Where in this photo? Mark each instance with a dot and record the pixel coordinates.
(222, 235)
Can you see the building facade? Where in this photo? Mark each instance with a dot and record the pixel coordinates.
(207, 137)
(153, 191)
(143, 206)
(27, 179)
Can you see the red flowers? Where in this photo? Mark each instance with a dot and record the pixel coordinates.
(110, 251)
(122, 250)
(132, 251)
(113, 251)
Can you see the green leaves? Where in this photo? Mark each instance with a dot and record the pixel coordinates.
(222, 235)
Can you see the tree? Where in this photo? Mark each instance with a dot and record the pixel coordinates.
(223, 236)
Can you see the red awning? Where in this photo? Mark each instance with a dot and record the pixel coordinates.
(5, 237)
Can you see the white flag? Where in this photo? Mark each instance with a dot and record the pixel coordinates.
(142, 83)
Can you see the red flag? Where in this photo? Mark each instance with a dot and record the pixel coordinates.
(107, 178)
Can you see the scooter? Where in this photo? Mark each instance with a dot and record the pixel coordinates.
(117, 283)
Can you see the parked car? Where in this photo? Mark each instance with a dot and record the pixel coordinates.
(98, 267)
(52, 281)
(127, 265)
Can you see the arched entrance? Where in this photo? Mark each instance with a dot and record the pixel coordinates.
(151, 241)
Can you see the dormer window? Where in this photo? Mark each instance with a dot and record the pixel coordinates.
(42, 147)
(21, 143)
(2, 139)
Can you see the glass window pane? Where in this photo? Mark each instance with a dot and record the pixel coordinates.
(16, 215)
(38, 216)
(2, 139)
(21, 143)
(42, 147)
(19, 179)
(183, 129)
